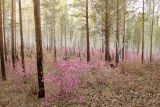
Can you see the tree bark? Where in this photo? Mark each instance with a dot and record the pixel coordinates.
(54, 35)
(142, 57)
(3, 70)
(13, 32)
(65, 40)
(107, 54)
(117, 35)
(4, 31)
(124, 35)
(61, 35)
(39, 48)
(152, 28)
(87, 33)
(21, 36)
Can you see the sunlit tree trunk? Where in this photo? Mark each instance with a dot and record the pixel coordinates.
(4, 31)
(87, 33)
(117, 35)
(13, 32)
(3, 70)
(21, 36)
(152, 29)
(39, 48)
(142, 57)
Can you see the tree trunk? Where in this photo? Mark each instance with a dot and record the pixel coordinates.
(55, 52)
(117, 35)
(142, 57)
(124, 35)
(61, 35)
(152, 28)
(138, 47)
(65, 40)
(21, 36)
(87, 32)
(4, 31)
(13, 32)
(1, 46)
(39, 48)
(107, 54)
(47, 37)
(54, 35)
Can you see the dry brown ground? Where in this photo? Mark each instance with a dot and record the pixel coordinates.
(135, 85)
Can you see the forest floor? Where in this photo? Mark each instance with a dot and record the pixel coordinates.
(131, 85)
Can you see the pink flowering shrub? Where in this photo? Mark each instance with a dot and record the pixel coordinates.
(64, 79)
(67, 76)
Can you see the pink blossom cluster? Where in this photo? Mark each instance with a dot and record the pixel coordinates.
(67, 77)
